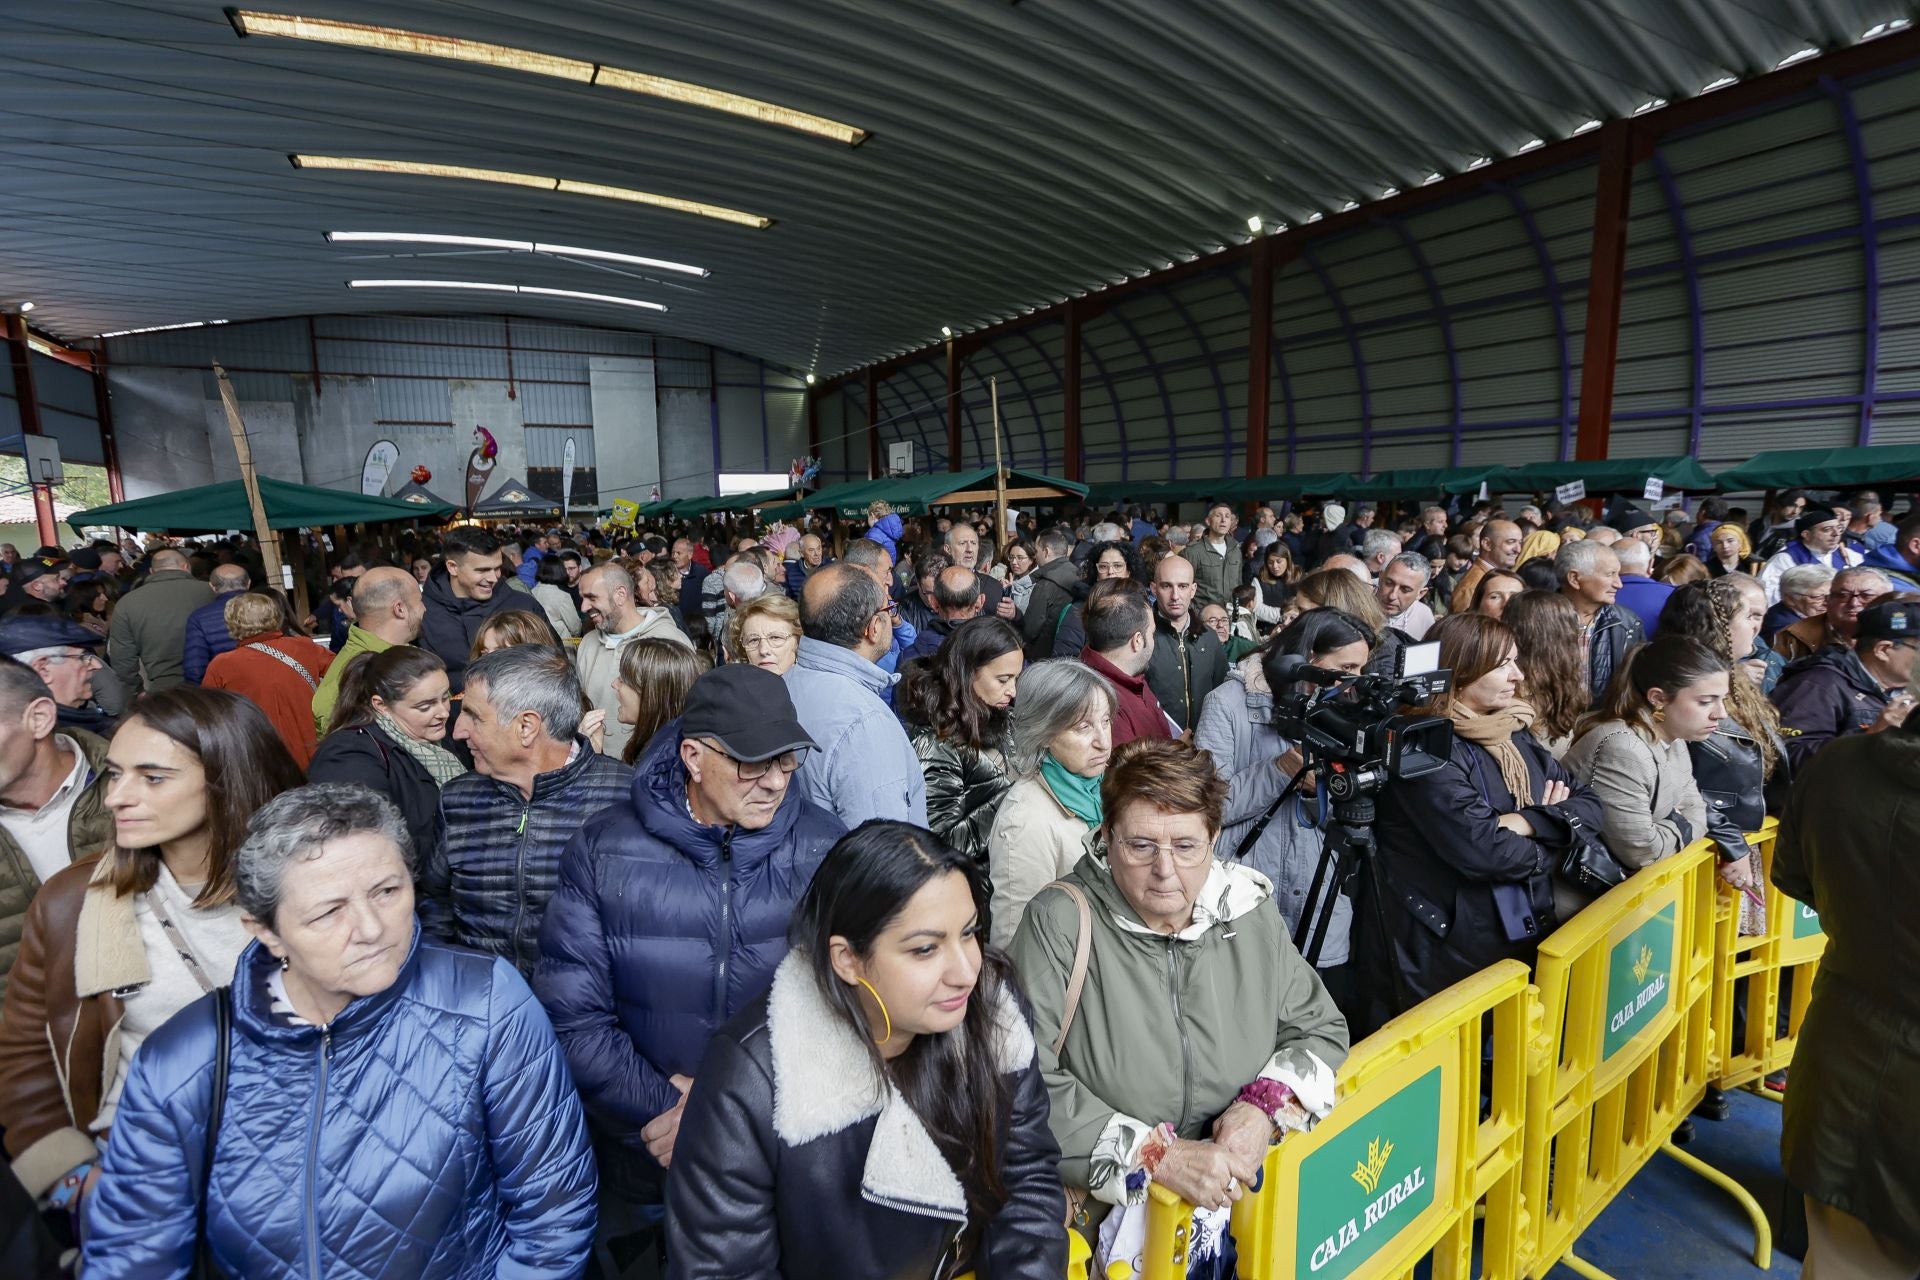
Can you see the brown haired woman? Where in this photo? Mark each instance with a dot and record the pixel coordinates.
(652, 686)
(1467, 852)
(275, 671)
(116, 945)
(389, 732)
(1200, 1035)
(1553, 666)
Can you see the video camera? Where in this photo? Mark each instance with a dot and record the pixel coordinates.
(1353, 726)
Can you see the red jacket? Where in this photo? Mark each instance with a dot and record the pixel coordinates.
(1136, 712)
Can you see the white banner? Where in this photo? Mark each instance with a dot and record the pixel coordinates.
(381, 460)
(1567, 493)
(566, 478)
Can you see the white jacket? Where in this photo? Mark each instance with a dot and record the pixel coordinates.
(1034, 842)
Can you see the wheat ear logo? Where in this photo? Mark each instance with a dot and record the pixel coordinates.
(1643, 964)
(1367, 1173)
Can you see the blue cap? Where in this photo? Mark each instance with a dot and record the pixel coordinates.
(22, 635)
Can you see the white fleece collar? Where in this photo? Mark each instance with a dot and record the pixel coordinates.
(825, 1081)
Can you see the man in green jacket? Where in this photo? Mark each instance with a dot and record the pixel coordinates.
(1850, 1138)
(1216, 559)
(147, 641)
(387, 611)
(53, 785)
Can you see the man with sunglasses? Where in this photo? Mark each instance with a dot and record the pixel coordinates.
(671, 915)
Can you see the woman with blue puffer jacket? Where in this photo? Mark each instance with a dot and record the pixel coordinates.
(393, 1107)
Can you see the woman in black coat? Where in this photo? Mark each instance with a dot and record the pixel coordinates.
(1467, 853)
(387, 733)
(879, 1113)
(958, 708)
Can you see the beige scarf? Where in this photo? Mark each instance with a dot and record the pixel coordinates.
(1495, 733)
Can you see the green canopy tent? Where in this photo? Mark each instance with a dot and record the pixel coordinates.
(740, 502)
(1418, 482)
(415, 494)
(916, 495)
(1613, 475)
(514, 499)
(840, 496)
(215, 508)
(1825, 468)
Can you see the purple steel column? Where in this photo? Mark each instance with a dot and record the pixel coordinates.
(1445, 321)
(1869, 250)
(1345, 318)
(1160, 381)
(1551, 278)
(953, 404)
(1219, 383)
(874, 470)
(713, 413)
(1071, 442)
(1696, 319)
(1033, 411)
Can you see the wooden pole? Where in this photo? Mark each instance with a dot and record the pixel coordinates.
(269, 545)
(1000, 534)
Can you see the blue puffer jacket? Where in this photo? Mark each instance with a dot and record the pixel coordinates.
(661, 930)
(430, 1132)
(487, 879)
(207, 639)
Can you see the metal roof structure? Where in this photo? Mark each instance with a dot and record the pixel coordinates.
(1008, 155)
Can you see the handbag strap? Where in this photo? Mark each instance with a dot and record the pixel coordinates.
(1259, 828)
(1082, 952)
(223, 1033)
(287, 660)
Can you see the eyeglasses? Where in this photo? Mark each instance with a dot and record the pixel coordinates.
(1832, 596)
(84, 657)
(754, 644)
(754, 770)
(1144, 853)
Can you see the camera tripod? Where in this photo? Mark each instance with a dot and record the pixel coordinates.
(1348, 851)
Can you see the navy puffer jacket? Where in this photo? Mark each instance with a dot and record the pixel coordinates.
(431, 1132)
(661, 930)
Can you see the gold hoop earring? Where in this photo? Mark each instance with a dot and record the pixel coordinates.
(883, 1010)
(1660, 715)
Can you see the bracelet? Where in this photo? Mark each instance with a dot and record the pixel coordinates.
(1269, 1097)
(67, 1191)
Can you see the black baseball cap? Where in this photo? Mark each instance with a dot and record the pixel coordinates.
(36, 566)
(23, 635)
(747, 710)
(1814, 516)
(85, 558)
(1892, 620)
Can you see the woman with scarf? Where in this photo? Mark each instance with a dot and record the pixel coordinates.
(386, 733)
(1467, 853)
(1062, 739)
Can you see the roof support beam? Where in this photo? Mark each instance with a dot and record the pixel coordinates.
(1606, 278)
(29, 401)
(1075, 453)
(873, 422)
(103, 416)
(1259, 355)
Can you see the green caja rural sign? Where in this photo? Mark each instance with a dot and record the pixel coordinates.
(1639, 981)
(1366, 1185)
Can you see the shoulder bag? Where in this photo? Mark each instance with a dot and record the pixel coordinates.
(204, 1267)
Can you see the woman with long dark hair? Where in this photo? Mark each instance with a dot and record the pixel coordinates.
(389, 732)
(1553, 666)
(958, 708)
(116, 945)
(880, 1111)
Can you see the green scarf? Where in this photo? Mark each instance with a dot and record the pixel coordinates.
(436, 759)
(1077, 795)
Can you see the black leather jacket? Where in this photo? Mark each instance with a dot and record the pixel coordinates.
(1727, 769)
(791, 1165)
(964, 789)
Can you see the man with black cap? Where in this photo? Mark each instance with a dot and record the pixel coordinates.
(1819, 538)
(38, 578)
(65, 656)
(671, 915)
(1840, 691)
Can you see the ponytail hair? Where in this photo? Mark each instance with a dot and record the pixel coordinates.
(386, 675)
(1671, 663)
(1705, 611)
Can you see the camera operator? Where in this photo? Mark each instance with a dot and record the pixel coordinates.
(1279, 835)
(1468, 851)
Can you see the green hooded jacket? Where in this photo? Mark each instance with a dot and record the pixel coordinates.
(1169, 1027)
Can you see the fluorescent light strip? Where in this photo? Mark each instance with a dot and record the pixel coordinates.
(505, 288)
(395, 40)
(419, 169)
(159, 328)
(513, 246)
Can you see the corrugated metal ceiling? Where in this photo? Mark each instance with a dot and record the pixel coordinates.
(1020, 153)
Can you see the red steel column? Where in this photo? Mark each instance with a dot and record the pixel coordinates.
(1076, 463)
(1606, 276)
(29, 402)
(1259, 355)
(873, 425)
(953, 404)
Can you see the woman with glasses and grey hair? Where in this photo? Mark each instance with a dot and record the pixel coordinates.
(362, 1099)
(1062, 738)
(1179, 1032)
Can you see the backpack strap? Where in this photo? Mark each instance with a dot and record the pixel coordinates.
(1082, 952)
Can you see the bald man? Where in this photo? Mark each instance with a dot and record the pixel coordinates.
(1499, 548)
(387, 610)
(207, 634)
(147, 643)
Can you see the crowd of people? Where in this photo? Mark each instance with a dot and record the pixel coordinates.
(868, 899)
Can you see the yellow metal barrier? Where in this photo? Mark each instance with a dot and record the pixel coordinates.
(1419, 1137)
(1079, 1258)
(1624, 1054)
(1780, 962)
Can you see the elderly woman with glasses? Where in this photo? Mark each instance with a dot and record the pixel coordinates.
(1199, 1036)
(362, 1098)
(766, 632)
